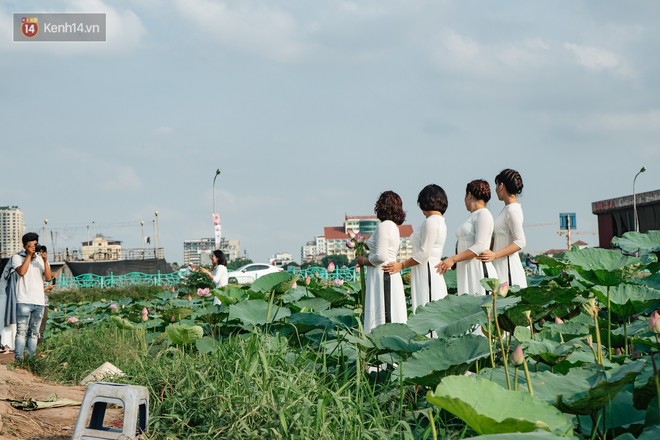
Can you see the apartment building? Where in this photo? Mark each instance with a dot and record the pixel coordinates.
(12, 228)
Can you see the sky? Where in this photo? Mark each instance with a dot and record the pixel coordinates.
(312, 108)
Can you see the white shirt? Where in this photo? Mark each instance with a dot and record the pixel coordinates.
(30, 287)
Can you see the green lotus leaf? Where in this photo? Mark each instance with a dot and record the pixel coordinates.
(255, 312)
(279, 282)
(337, 297)
(550, 266)
(395, 337)
(627, 299)
(534, 435)
(620, 414)
(293, 295)
(122, 322)
(645, 389)
(443, 357)
(547, 351)
(543, 302)
(651, 281)
(638, 242)
(340, 316)
(305, 322)
(207, 344)
(603, 267)
(316, 304)
(184, 334)
(230, 294)
(454, 315)
(490, 409)
(177, 313)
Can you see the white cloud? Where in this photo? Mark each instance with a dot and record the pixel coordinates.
(593, 58)
(124, 178)
(248, 26)
(163, 131)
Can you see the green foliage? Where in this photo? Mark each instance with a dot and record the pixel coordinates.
(238, 262)
(108, 294)
(339, 260)
(490, 409)
(197, 280)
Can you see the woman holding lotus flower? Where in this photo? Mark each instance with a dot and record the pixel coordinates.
(428, 243)
(473, 238)
(384, 297)
(219, 275)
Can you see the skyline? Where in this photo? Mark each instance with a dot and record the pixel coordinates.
(312, 109)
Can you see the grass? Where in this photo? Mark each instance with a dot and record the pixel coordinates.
(253, 386)
(109, 294)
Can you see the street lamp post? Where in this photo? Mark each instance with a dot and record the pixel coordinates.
(636, 219)
(156, 234)
(215, 215)
(142, 235)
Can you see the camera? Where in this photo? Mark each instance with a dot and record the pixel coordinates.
(40, 248)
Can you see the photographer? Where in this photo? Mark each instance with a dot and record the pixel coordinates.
(33, 269)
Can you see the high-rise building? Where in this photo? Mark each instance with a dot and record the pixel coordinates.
(12, 228)
(198, 252)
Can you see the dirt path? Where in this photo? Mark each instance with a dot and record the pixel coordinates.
(43, 424)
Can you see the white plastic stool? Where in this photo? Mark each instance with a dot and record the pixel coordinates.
(133, 398)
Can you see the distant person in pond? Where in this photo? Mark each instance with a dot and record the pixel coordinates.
(384, 297)
(219, 274)
(473, 238)
(33, 269)
(509, 236)
(428, 243)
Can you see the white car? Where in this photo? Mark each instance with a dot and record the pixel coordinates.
(250, 272)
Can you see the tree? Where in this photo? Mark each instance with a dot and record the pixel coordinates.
(238, 262)
(339, 260)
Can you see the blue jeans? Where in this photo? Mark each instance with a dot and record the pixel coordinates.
(28, 319)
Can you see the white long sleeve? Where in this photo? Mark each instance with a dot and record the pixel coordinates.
(432, 235)
(384, 243)
(515, 223)
(483, 231)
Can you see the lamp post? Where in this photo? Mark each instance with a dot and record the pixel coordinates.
(635, 200)
(215, 215)
(142, 236)
(156, 234)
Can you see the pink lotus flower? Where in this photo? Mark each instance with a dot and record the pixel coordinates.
(518, 357)
(350, 244)
(72, 320)
(308, 280)
(295, 285)
(338, 282)
(203, 292)
(558, 320)
(503, 290)
(352, 233)
(654, 322)
(331, 267)
(144, 313)
(189, 298)
(113, 306)
(358, 237)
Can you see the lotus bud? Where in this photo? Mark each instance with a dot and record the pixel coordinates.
(145, 314)
(189, 298)
(295, 285)
(113, 307)
(654, 322)
(589, 340)
(72, 320)
(488, 308)
(358, 237)
(591, 307)
(503, 289)
(331, 267)
(558, 320)
(338, 282)
(350, 244)
(518, 357)
(352, 233)
(316, 274)
(308, 280)
(204, 292)
(528, 314)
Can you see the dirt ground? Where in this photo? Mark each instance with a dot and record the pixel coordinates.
(43, 424)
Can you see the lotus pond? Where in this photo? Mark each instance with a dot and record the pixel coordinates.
(574, 355)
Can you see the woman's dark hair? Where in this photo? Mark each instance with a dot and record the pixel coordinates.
(511, 179)
(390, 207)
(221, 257)
(432, 198)
(480, 190)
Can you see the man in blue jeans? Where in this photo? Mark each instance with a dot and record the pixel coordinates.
(33, 269)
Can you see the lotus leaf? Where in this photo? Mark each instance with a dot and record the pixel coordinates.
(337, 297)
(620, 413)
(547, 351)
(316, 304)
(183, 334)
(442, 357)
(305, 322)
(603, 267)
(550, 266)
(651, 281)
(395, 337)
(490, 409)
(638, 242)
(279, 282)
(543, 302)
(534, 435)
(207, 344)
(230, 294)
(627, 299)
(341, 317)
(454, 315)
(255, 312)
